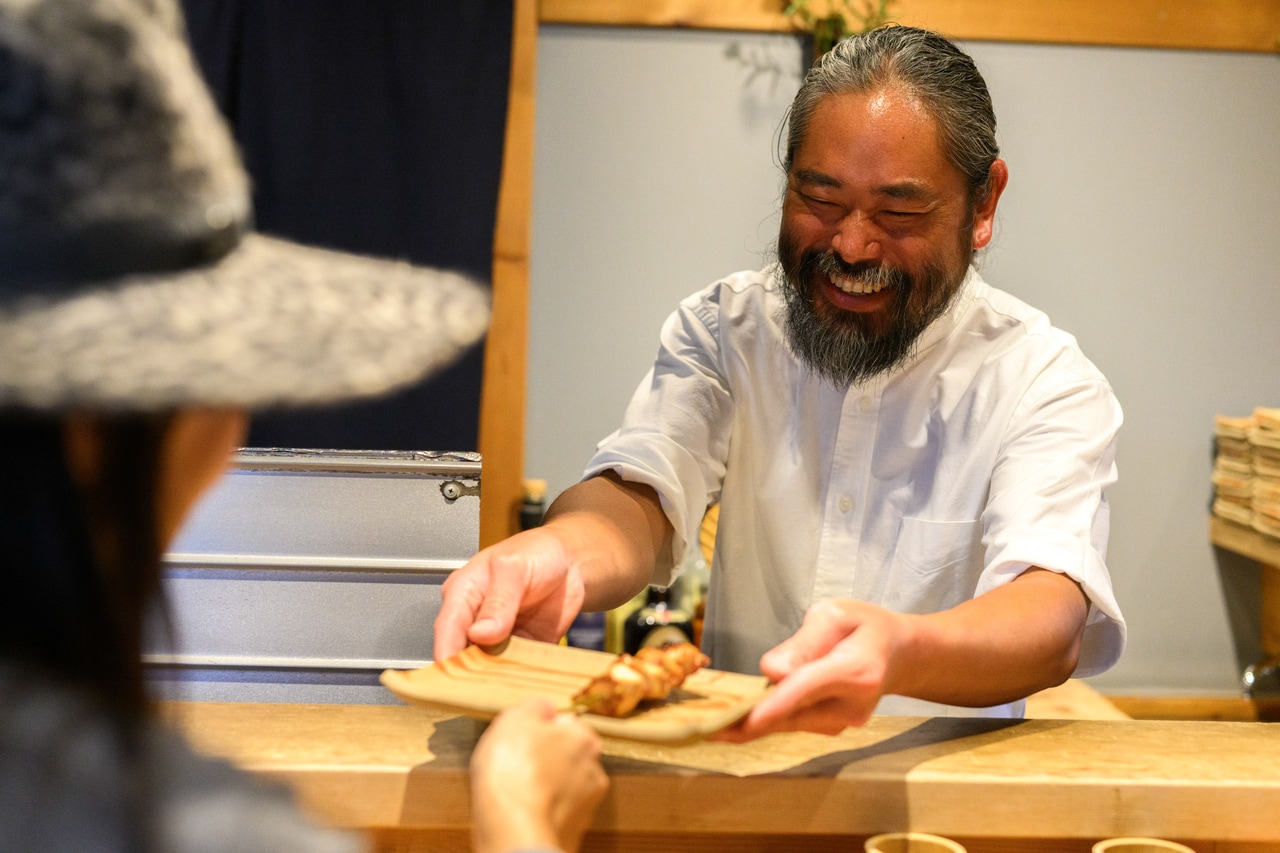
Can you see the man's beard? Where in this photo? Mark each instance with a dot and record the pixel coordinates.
(848, 348)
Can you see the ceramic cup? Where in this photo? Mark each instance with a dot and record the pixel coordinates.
(1140, 845)
(911, 842)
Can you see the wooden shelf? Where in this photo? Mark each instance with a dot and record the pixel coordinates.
(1237, 25)
(1245, 540)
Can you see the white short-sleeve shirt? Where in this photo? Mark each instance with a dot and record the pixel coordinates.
(989, 452)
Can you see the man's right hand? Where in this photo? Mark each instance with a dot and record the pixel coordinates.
(602, 531)
(526, 585)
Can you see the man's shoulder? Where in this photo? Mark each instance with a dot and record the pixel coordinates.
(1012, 325)
(744, 285)
(996, 307)
(1003, 304)
(735, 298)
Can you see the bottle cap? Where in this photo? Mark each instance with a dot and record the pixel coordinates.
(535, 491)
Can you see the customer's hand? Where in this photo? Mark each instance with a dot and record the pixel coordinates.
(536, 780)
(525, 585)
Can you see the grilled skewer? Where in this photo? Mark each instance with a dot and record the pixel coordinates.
(649, 675)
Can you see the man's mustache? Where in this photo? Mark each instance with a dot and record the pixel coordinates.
(873, 272)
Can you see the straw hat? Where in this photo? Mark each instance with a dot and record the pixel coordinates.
(130, 276)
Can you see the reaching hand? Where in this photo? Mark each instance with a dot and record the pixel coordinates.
(536, 780)
(1021, 637)
(525, 585)
(830, 674)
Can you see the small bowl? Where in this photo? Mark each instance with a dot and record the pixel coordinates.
(911, 842)
(1140, 845)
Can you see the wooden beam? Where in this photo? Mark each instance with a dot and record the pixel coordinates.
(502, 397)
(762, 15)
(1237, 25)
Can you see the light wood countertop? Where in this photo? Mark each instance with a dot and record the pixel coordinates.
(405, 768)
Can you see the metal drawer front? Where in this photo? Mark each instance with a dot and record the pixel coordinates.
(304, 574)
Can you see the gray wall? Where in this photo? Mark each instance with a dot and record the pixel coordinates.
(1142, 215)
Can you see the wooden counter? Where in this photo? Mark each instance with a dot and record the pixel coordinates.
(1034, 785)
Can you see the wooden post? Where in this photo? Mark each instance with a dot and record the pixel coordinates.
(502, 398)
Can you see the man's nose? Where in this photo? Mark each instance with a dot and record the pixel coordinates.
(856, 239)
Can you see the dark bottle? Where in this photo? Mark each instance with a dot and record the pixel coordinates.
(587, 631)
(534, 504)
(657, 623)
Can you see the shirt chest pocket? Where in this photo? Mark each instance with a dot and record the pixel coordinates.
(935, 565)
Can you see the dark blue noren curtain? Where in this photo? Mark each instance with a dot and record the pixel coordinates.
(373, 126)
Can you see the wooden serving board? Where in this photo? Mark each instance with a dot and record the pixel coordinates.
(483, 683)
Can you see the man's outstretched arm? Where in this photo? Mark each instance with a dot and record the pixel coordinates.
(596, 548)
(1002, 646)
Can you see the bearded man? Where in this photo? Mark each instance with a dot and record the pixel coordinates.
(911, 465)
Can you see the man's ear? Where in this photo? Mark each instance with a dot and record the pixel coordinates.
(984, 216)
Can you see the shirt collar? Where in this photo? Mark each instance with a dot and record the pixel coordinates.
(942, 327)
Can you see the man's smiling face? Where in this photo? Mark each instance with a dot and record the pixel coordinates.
(877, 233)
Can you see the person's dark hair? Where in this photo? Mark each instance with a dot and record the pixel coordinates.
(81, 566)
(931, 68)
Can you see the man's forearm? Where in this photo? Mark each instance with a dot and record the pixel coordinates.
(615, 531)
(1002, 646)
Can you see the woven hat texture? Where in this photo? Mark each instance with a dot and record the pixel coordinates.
(130, 275)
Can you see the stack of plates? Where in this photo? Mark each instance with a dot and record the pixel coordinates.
(1233, 468)
(1264, 438)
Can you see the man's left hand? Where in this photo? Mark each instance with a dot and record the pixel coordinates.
(1001, 646)
(829, 675)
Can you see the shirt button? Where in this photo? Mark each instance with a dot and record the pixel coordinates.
(845, 504)
(866, 403)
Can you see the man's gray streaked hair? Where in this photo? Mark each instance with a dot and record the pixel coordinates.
(926, 65)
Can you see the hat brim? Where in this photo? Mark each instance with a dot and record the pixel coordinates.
(272, 324)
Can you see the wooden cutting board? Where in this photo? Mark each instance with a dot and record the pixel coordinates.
(483, 683)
